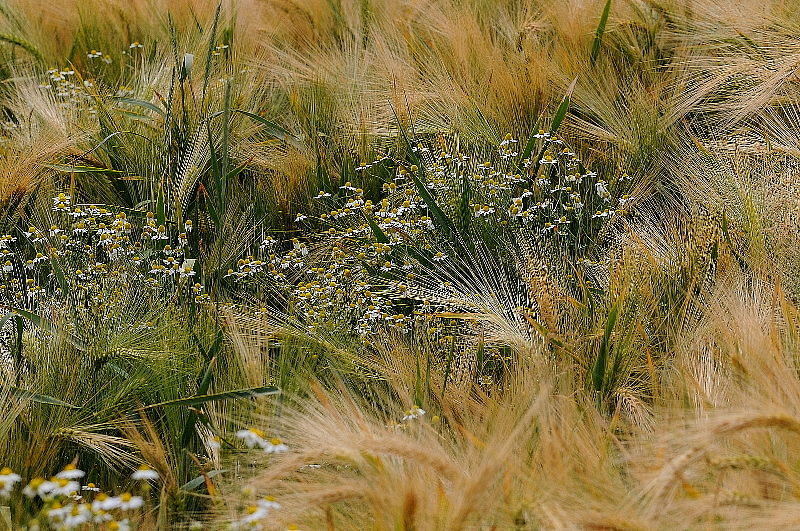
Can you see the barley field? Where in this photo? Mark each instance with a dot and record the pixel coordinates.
(399, 265)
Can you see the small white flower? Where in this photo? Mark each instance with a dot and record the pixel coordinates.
(7, 481)
(268, 502)
(144, 473)
(77, 515)
(255, 514)
(252, 437)
(127, 501)
(70, 472)
(413, 413)
(274, 446)
(119, 525)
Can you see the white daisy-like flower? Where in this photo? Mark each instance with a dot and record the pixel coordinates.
(144, 473)
(119, 525)
(268, 502)
(413, 413)
(127, 501)
(274, 446)
(91, 487)
(7, 481)
(70, 472)
(252, 437)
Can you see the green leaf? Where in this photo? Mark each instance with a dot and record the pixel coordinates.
(226, 129)
(238, 169)
(599, 370)
(464, 210)
(557, 119)
(379, 234)
(49, 326)
(601, 28)
(36, 397)
(141, 103)
(437, 213)
(203, 385)
(216, 174)
(199, 480)
(562, 109)
(275, 130)
(79, 169)
(59, 274)
(228, 395)
(526, 153)
(750, 42)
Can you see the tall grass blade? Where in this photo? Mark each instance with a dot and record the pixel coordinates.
(251, 392)
(79, 169)
(141, 103)
(599, 370)
(601, 28)
(275, 130)
(36, 397)
(199, 480)
(48, 326)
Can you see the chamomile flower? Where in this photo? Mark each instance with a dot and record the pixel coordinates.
(119, 525)
(252, 437)
(413, 413)
(70, 472)
(8, 479)
(144, 473)
(268, 502)
(274, 446)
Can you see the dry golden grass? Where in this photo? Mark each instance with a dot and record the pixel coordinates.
(697, 424)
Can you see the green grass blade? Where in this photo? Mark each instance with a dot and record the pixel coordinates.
(79, 169)
(228, 395)
(212, 44)
(275, 130)
(599, 370)
(418, 385)
(464, 209)
(48, 326)
(36, 397)
(437, 213)
(379, 234)
(601, 28)
(531, 143)
(59, 274)
(203, 385)
(562, 109)
(216, 171)
(479, 357)
(557, 119)
(199, 480)
(141, 103)
(226, 130)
